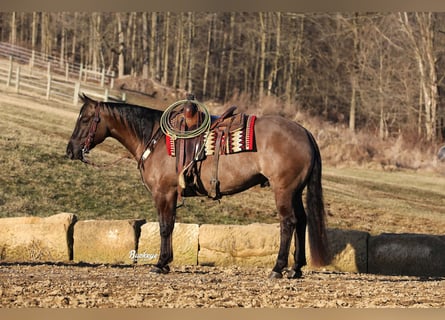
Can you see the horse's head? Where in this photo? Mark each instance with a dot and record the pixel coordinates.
(88, 132)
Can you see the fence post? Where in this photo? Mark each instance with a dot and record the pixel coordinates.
(8, 82)
(102, 78)
(48, 87)
(17, 80)
(49, 69)
(76, 93)
(31, 61)
(112, 80)
(67, 71)
(80, 72)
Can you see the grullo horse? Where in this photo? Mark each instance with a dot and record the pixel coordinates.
(286, 156)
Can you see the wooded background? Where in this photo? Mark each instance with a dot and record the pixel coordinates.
(379, 71)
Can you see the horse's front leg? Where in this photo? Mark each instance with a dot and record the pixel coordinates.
(166, 207)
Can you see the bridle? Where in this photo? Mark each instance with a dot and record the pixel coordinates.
(91, 133)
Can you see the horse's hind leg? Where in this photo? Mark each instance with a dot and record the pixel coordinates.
(300, 238)
(288, 222)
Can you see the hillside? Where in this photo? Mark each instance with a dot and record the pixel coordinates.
(370, 186)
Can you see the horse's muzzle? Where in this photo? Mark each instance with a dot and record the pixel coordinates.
(72, 154)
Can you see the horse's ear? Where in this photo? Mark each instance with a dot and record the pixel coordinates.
(85, 98)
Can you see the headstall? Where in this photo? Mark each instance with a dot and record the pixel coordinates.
(92, 131)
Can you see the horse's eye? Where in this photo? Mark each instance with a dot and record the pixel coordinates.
(84, 119)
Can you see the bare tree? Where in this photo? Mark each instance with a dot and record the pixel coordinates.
(121, 51)
(13, 34)
(419, 31)
(210, 33)
(379, 70)
(166, 48)
(274, 71)
(262, 53)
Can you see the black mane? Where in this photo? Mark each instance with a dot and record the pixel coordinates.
(139, 119)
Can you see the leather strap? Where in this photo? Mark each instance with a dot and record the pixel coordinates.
(214, 182)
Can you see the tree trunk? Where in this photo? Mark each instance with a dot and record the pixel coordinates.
(35, 17)
(231, 46)
(221, 68)
(274, 71)
(352, 106)
(144, 45)
(189, 62)
(207, 58)
(133, 44)
(74, 40)
(152, 49)
(46, 39)
(354, 73)
(166, 49)
(383, 128)
(62, 41)
(94, 41)
(177, 70)
(13, 34)
(121, 51)
(423, 52)
(263, 36)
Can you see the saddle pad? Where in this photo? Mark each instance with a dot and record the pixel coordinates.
(240, 139)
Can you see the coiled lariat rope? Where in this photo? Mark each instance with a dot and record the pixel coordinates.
(173, 133)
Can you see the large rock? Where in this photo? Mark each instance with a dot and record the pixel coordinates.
(248, 245)
(106, 241)
(185, 244)
(407, 254)
(36, 238)
(257, 245)
(348, 250)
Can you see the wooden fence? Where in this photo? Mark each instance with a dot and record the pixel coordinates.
(27, 71)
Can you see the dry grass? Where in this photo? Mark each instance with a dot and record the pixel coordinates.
(378, 201)
(37, 179)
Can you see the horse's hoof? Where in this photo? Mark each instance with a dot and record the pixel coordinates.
(160, 270)
(275, 275)
(294, 274)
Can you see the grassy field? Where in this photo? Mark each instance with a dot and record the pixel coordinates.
(37, 179)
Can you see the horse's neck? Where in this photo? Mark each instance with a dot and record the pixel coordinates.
(128, 137)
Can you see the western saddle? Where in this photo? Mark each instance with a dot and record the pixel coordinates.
(190, 152)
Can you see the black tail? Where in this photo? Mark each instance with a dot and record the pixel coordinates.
(315, 211)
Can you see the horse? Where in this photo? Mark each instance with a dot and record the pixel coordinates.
(286, 157)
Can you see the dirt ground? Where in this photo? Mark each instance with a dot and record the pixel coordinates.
(96, 286)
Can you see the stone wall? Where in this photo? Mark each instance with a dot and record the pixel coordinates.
(61, 238)
(37, 239)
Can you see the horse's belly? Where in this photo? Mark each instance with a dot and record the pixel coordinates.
(235, 172)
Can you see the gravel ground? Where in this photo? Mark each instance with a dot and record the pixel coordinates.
(96, 286)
